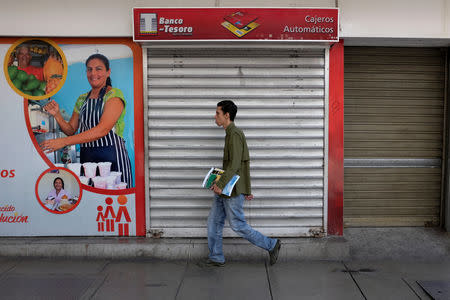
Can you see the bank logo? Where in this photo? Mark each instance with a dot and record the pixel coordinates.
(148, 24)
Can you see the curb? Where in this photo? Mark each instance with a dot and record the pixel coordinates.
(330, 248)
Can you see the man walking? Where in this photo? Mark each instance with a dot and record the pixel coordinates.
(236, 160)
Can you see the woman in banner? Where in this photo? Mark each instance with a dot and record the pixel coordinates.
(57, 194)
(99, 116)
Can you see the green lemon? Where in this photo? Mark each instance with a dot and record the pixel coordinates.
(32, 84)
(38, 92)
(22, 75)
(31, 77)
(17, 83)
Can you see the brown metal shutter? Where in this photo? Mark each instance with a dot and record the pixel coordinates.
(393, 123)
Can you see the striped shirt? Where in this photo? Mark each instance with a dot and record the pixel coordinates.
(91, 110)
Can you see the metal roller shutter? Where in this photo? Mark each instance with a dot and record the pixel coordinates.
(281, 98)
(393, 123)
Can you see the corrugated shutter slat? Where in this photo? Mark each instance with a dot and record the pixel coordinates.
(280, 95)
(394, 108)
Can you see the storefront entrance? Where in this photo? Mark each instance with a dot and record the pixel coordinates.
(393, 136)
(282, 98)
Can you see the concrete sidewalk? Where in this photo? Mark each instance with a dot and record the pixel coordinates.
(366, 263)
(413, 243)
(45, 278)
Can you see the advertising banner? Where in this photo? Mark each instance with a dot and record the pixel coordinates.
(71, 162)
(288, 24)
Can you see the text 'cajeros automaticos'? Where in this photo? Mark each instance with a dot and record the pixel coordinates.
(315, 24)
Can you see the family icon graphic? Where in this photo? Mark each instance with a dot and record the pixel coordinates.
(110, 217)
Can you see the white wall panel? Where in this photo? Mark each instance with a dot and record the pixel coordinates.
(385, 19)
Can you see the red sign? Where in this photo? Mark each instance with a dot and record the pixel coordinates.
(295, 24)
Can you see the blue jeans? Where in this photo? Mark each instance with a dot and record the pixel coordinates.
(232, 209)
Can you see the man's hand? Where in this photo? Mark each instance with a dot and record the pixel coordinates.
(249, 197)
(216, 189)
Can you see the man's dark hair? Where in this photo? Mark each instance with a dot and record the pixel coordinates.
(228, 106)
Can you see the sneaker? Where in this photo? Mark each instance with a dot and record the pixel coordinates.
(273, 254)
(212, 263)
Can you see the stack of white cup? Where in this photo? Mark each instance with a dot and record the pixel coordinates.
(104, 168)
(107, 179)
(117, 175)
(90, 169)
(76, 168)
(117, 183)
(99, 182)
(121, 186)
